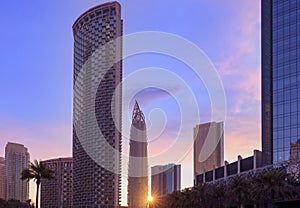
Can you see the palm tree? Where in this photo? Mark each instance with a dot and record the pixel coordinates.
(168, 200)
(238, 190)
(271, 185)
(258, 193)
(218, 195)
(202, 194)
(37, 171)
(195, 198)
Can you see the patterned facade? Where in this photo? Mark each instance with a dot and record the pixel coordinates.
(138, 161)
(58, 192)
(208, 147)
(2, 178)
(16, 160)
(280, 80)
(165, 179)
(97, 73)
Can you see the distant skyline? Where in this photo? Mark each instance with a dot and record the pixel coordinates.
(37, 67)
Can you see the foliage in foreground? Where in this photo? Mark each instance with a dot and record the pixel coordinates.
(238, 191)
(37, 171)
(12, 203)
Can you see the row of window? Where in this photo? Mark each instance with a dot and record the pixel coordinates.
(284, 69)
(281, 156)
(286, 83)
(289, 94)
(287, 132)
(283, 145)
(280, 6)
(282, 48)
(286, 121)
(102, 14)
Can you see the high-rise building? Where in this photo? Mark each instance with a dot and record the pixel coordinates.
(2, 179)
(58, 191)
(16, 160)
(165, 179)
(208, 147)
(280, 80)
(138, 161)
(97, 107)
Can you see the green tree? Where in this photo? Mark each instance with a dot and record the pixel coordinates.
(37, 171)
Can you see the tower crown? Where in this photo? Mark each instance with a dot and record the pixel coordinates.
(137, 114)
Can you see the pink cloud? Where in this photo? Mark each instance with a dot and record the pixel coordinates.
(42, 140)
(239, 69)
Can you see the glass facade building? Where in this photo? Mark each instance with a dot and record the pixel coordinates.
(165, 179)
(97, 107)
(280, 80)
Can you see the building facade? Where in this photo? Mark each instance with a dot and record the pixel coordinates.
(138, 161)
(58, 191)
(165, 179)
(241, 166)
(2, 178)
(16, 160)
(280, 80)
(208, 147)
(96, 109)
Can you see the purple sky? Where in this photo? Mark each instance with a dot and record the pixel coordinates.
(37, 62)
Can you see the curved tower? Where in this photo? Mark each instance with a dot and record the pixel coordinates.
(96, 109)
(138, 162)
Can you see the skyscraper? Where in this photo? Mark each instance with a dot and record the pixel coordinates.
(2, 179)
(58, 191)
(280, 80)
(208, 147)
(96, 111)
(165, 179)
(16, 160)
(138, 162)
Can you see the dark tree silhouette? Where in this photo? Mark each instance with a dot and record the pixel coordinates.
(37, 171)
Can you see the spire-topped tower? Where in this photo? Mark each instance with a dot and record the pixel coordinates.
(138, 161)
(138, 118)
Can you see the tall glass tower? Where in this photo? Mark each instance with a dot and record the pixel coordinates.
(165, 179)
(97, 107)
(138, 161)
(280, 80)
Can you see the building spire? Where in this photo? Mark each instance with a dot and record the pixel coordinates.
(138, 161)
(137, 114)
